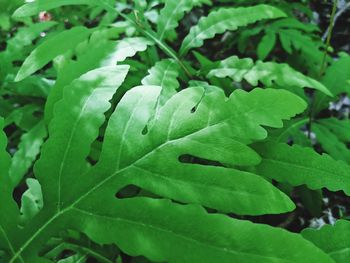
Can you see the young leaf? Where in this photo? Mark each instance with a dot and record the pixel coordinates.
(28, 149)
(266, 45)
(51, 48)
(334, 240)
(173, 12)
(128, 47)
(297, 166)
(266, 72)
(217, 22)
(32, 201)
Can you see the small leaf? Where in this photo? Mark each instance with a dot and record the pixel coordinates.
(128, 47)
(266, 72)
(28, 149)
(174, 11)
(33, 8)
(32, 201)
(51, 48)
(219, 21)
(266, 45)
(333, 240)
(340, 128)
(330, 143)
(336, 79)
(297, 166)
(164, 74)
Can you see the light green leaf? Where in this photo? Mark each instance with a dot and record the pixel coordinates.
(28, 149)
(164, 74)
(33, 8)
(128, 47)
(165, 231)
(51, 48)
(210, 135)
(99, 52)
(32, 201)
(336, 79)
(219, 21)
(266, 72)
(297, 166)
(10, 211)
(333, 240)
(174, 11)
(266, 45)
(131, 157)
(340, 128)
(330, 143)
(63, 156)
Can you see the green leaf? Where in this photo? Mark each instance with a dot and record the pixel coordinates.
(73, 192)
(333, 240)
(311, 51)
(219, 21)
(51, 48)
(292, 130)
(330, 143)
(265, 72)
(28, 149)
(32, 201)
(297, 166)
(266, 45)
(260, 107)
(8, 219)
(164, 74)
(23, 117)
(33, 8)
(165, 231)
(336, 80)
(340, 128)
(165, 143)
(294, 23)
(128, 47)
(173, 12)
(63, 156)
(99, 52)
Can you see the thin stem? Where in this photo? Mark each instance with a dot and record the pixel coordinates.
(151, 35)
(323, 64)
(329, 36)
(340, 12)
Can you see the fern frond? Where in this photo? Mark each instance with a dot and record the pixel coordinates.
(265, 72)
(224, 19)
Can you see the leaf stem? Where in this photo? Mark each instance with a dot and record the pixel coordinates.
(148, 32)
(323, 64)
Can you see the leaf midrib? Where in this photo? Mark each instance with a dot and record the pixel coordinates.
(9, 242)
